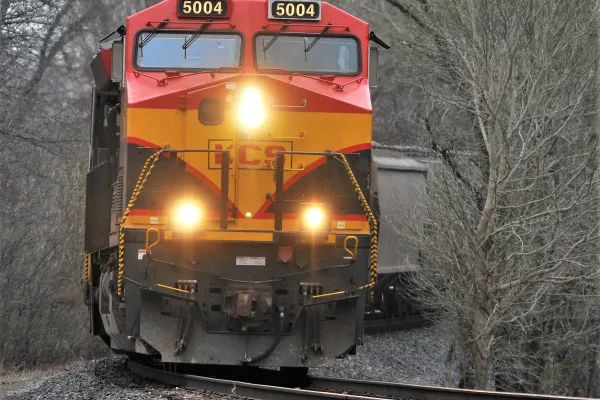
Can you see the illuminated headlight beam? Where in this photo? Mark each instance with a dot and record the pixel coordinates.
(251, 111)
(314, 218)
(188, 215)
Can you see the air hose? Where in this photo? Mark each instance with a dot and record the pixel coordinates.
(273, 345)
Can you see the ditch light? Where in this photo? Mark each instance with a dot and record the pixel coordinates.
(187, 215)
(314, 219)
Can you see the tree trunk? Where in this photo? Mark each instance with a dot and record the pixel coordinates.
(449, 359)
(593, 386)
(481, 331)
(481, 350)
(482, 335)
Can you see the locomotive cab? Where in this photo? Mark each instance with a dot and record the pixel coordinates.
(231, 221)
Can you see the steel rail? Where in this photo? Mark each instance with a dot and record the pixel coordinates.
(395, 324)
(236, 388)
(329, 388)
(399, 390)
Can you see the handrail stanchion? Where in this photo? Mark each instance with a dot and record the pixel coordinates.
(225, 190)
(279, 167)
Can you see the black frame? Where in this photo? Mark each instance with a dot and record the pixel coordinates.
(192, 31)
(300, 34)
(181, 14)
(275, 17)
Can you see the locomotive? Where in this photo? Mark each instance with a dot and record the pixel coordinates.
(229, 214)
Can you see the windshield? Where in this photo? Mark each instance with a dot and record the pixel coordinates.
(167, 50)
(329, 55)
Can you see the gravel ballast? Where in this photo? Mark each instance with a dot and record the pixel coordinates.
(415, 356)
(106, 379)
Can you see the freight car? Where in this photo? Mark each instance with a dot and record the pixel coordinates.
(229, 213)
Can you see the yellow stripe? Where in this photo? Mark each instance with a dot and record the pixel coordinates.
(327, 295)
(172, 288)
(224, 236)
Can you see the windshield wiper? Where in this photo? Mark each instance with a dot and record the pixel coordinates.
(196, 35)
(120, 30)
(324, 31)
(152, 34)
(268, 46)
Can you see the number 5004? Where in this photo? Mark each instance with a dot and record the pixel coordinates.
(295, 10)
(198, 7)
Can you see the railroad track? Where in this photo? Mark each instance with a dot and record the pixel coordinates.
(315, 387)
(395, 324)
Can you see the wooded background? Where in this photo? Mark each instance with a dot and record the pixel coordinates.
(502, 92)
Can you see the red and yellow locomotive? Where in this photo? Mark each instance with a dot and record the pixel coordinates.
(228, 215)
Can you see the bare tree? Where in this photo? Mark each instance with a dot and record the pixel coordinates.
(45, 49)
(510, 237)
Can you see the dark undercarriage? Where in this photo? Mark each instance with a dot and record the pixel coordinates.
(190, 302)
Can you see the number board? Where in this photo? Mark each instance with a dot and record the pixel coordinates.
(295, 9)
(202, 8)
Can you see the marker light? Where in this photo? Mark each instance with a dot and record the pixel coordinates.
(285, 254)
(188, 215)
(251, 111)
(314, 218)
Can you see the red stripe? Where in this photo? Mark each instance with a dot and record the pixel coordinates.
(202, 178)
(148, 213)
(296, 216)
(261, 214)
(359, 147)
(318, 96)
(141, 142)
(141, 212)
(321, 161)
(144, 143)
(192, 170)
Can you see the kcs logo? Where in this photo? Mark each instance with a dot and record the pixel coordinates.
(250, 154)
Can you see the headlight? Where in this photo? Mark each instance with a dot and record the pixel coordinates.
(314, 218)
(251, 111)
(187, 215)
